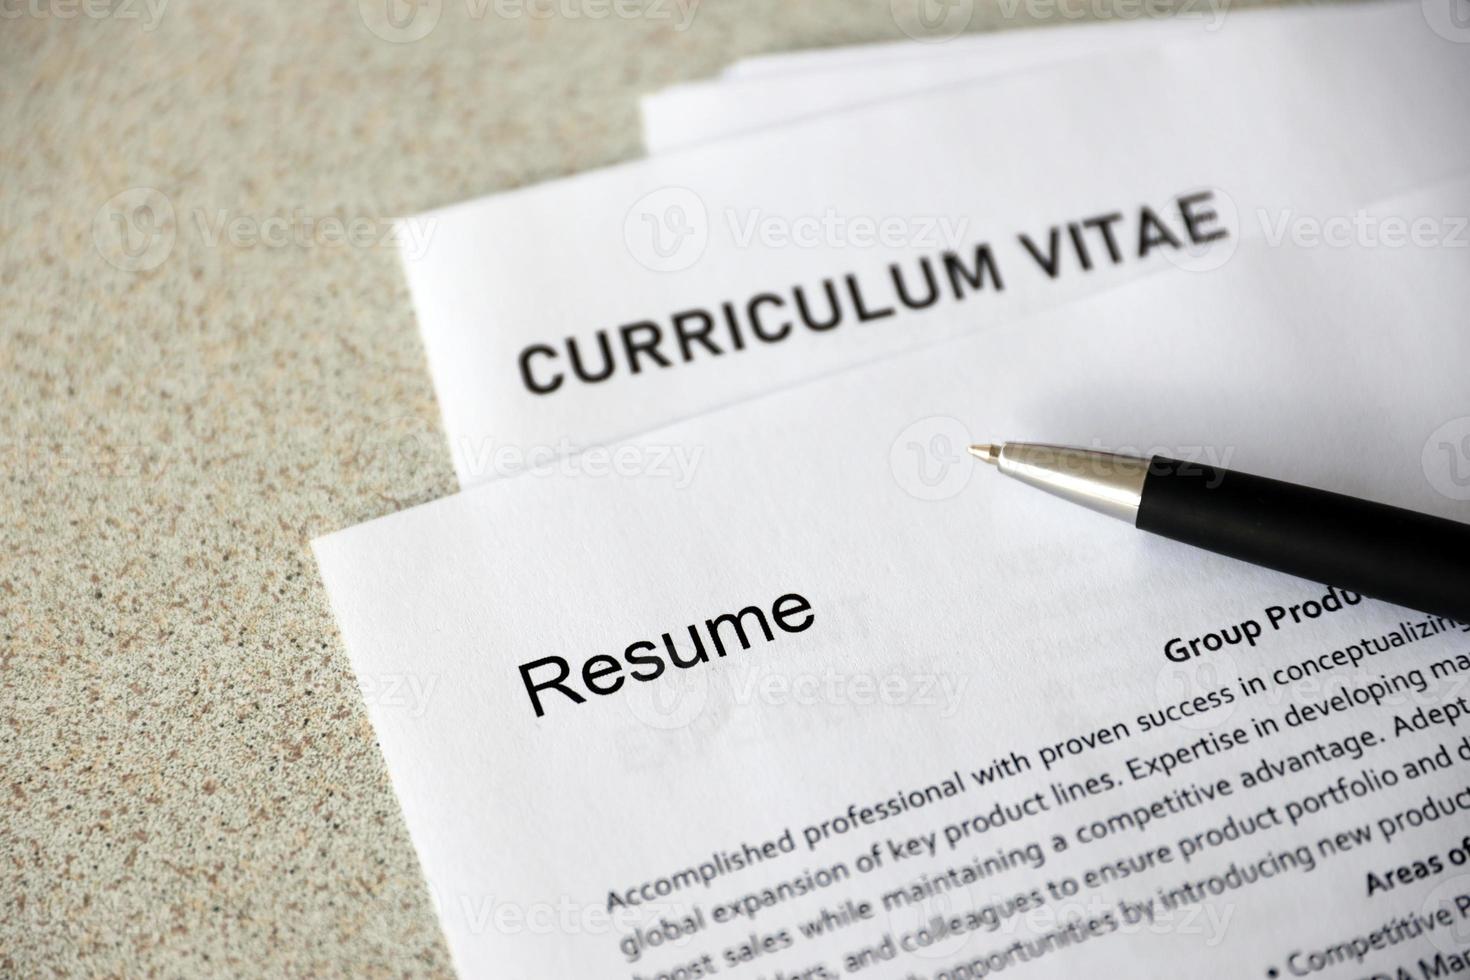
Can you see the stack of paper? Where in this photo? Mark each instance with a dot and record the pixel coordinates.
(725, 666)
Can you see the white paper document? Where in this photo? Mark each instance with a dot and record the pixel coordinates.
(842, 704)
(1079, 36)
(696, 112)
(591, 308)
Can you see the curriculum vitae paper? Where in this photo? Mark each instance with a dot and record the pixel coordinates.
(561, 316)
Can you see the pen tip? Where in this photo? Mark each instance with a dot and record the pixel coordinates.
(988, 453)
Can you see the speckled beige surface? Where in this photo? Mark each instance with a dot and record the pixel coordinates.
(190, 785)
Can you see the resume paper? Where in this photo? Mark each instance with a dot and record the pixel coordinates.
(844, 704)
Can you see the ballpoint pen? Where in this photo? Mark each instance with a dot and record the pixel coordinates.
(1386, 552)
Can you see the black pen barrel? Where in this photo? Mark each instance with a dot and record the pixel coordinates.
(1388, 553)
